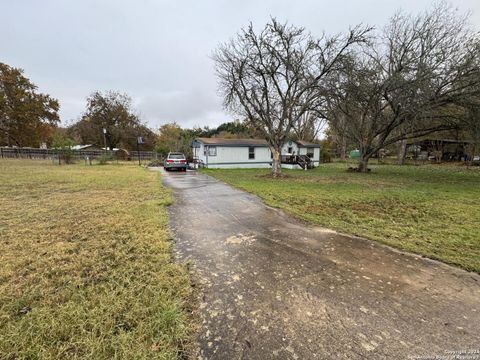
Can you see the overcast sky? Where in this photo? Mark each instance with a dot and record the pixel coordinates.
(158, 51)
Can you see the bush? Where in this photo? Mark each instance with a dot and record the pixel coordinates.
(63, 146)
(325, 151)
(325, 155)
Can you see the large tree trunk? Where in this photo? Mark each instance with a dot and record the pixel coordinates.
(401, 151)
(343, 148)
(276, 163)
(363, 164)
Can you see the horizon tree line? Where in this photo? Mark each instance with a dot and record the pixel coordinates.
(372, 88)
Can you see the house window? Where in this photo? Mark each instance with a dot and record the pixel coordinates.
(212, 151)
(310, 154)
(251, 152)
(289, 150)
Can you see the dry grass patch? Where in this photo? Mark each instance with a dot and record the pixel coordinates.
(87, 269)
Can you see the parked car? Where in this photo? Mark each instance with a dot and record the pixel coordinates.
(175, 160)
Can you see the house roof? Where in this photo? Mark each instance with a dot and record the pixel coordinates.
(81, 147)
(247, 142)
(233, 142)
(84, 147)
(306, 143)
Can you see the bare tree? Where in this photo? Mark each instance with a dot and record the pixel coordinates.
(309, 126)
(471, 127)
(273, 78)
(407, 83)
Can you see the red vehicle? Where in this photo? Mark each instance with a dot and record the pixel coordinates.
(175, 160)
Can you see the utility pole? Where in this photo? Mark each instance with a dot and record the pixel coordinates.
(105, 141)
(139, 141)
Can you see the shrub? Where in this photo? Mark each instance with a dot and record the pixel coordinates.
(63, 145)
(325, 155)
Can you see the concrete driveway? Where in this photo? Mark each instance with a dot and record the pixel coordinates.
(272, 287)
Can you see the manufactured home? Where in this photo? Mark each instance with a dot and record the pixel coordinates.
(252, 153)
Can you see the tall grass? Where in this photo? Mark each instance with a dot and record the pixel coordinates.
(86, 265)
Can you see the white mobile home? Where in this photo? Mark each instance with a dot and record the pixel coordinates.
(251, 153)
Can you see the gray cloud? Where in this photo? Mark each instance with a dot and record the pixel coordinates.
(157, 51)
(193, 107)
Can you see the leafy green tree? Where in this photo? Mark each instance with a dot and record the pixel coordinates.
(63, 145)
(27, 118)
(236, 129)
(114, 112)
(169, 138)
(206, 131)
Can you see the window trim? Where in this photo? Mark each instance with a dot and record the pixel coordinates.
(251, 153)
(210, 152)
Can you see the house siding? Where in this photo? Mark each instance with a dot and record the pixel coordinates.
(237, 156)
(293, 145)
(231, 157)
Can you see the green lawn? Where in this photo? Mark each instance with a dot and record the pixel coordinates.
(86, 264)
(430, 210)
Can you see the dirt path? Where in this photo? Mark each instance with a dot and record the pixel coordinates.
(275, 288)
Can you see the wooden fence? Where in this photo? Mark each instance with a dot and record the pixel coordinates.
(34, 153)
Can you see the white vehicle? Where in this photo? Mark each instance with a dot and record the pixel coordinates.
(175, 160)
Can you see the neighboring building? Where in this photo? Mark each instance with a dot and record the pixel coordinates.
(440, 149)
(251, 153)
(90, 147)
